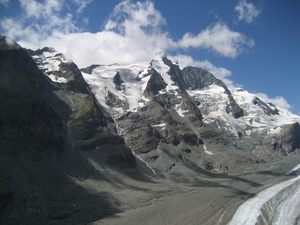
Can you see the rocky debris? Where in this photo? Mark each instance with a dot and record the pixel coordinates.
(86, 123)
(113, 101)
(176, 74)
(198, 78)
(138, 134)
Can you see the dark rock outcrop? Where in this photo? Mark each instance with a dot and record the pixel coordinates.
(266, 108)
(118, 81)
(89, 69)
(155, 84)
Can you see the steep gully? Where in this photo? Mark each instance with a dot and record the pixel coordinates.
(135, 155)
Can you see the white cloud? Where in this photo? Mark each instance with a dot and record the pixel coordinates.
(15, 29)
(5, 2)
(218, 38)
(38, 22)
(86, 20)
(133, 31)
(82, 4)
(36, 9)
(246, 11)
(128, 18)
(279, 100)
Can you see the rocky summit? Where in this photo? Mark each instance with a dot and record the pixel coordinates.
(82, 145)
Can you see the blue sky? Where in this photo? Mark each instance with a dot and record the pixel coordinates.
(251, 43)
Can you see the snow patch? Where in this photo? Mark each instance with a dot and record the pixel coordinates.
(206, 151)
(256, 117)
(179, 110)
(162, 125)
(57, 79)
(248, 132)
(274, 130)
(147, 164)
(214, 100)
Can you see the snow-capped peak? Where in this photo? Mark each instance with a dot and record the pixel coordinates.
(48, 61)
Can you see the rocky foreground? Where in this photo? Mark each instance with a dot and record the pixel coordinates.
(131, 144)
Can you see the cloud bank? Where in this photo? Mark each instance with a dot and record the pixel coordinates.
(132, 32)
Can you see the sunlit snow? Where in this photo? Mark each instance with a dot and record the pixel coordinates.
(135, 81)
(101, 81)
(49, 62)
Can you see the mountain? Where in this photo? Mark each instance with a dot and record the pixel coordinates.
(73, 140)
(187, 117)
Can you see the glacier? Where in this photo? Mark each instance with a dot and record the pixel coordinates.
(276, 205)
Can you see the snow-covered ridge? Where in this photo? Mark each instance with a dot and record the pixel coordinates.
(135, 78)
(213, 101)
(255, 116)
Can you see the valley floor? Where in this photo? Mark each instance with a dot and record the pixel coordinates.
(199, 199)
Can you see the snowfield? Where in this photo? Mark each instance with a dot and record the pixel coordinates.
(101, 81)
